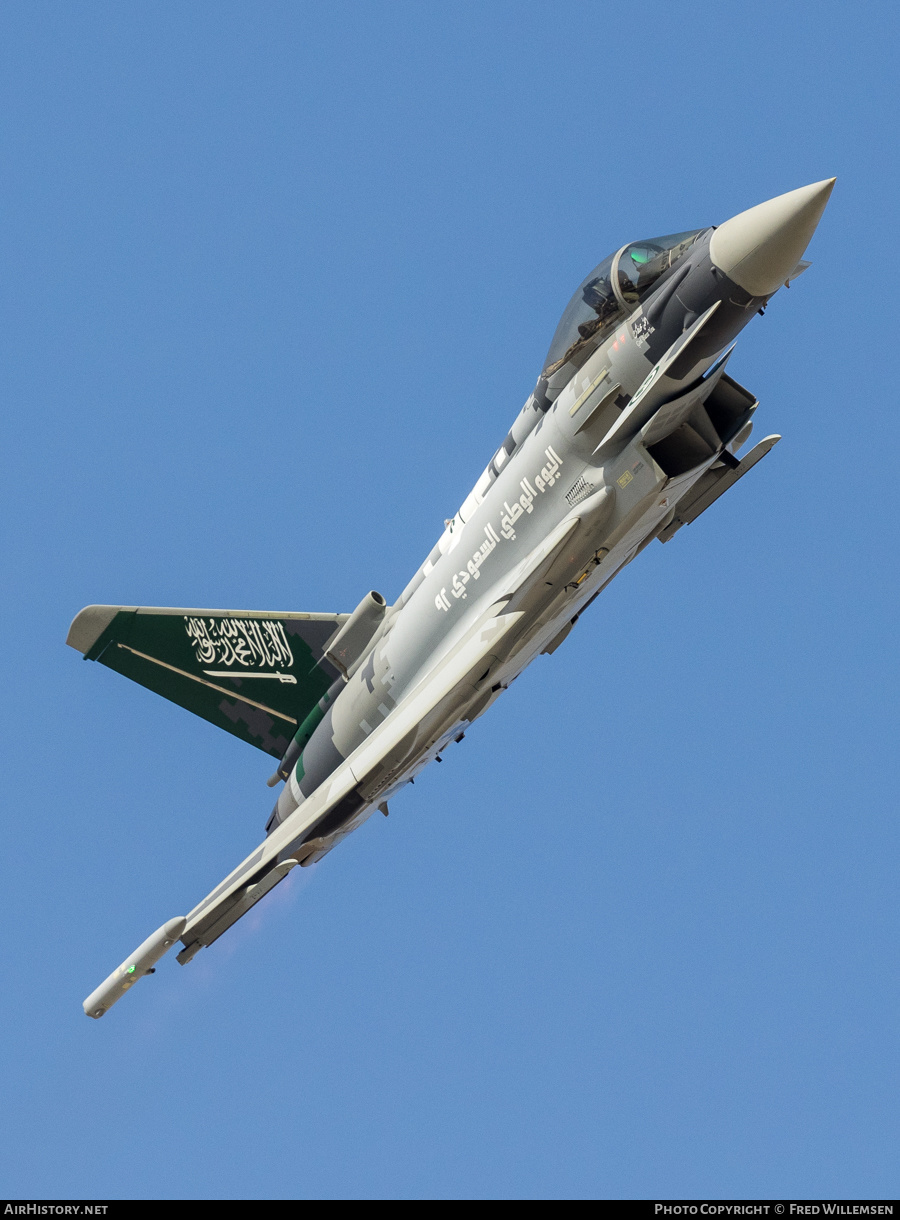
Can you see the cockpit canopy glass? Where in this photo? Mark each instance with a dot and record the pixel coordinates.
(610, 293)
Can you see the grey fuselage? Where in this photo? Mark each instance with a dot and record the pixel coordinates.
(580, 448)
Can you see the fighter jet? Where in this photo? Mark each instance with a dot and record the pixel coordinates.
(631, 432)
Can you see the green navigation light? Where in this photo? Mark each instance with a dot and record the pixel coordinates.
(130, 970)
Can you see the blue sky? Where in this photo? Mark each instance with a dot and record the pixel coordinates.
(277, 277)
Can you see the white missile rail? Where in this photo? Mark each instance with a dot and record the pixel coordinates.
(141, 962)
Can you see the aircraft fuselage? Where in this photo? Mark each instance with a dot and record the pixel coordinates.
(581, 457)
(631, 432)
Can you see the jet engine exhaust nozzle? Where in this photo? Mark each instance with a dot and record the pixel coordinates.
(758, 249)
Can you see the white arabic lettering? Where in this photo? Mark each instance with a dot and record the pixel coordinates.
(548, 476)
(237, 641)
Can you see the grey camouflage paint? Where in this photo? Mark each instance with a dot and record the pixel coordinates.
(550, 466)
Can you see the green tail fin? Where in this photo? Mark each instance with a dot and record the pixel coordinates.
(256, 675)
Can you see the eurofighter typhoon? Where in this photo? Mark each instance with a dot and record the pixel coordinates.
(631, 432)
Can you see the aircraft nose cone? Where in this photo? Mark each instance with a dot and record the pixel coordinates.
(759, 248)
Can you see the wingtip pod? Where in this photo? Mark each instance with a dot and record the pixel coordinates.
(140, 962)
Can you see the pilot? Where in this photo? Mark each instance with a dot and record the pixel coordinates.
(598, 294)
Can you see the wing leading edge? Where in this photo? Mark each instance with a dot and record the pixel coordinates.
(394, 740)
(356, 787)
